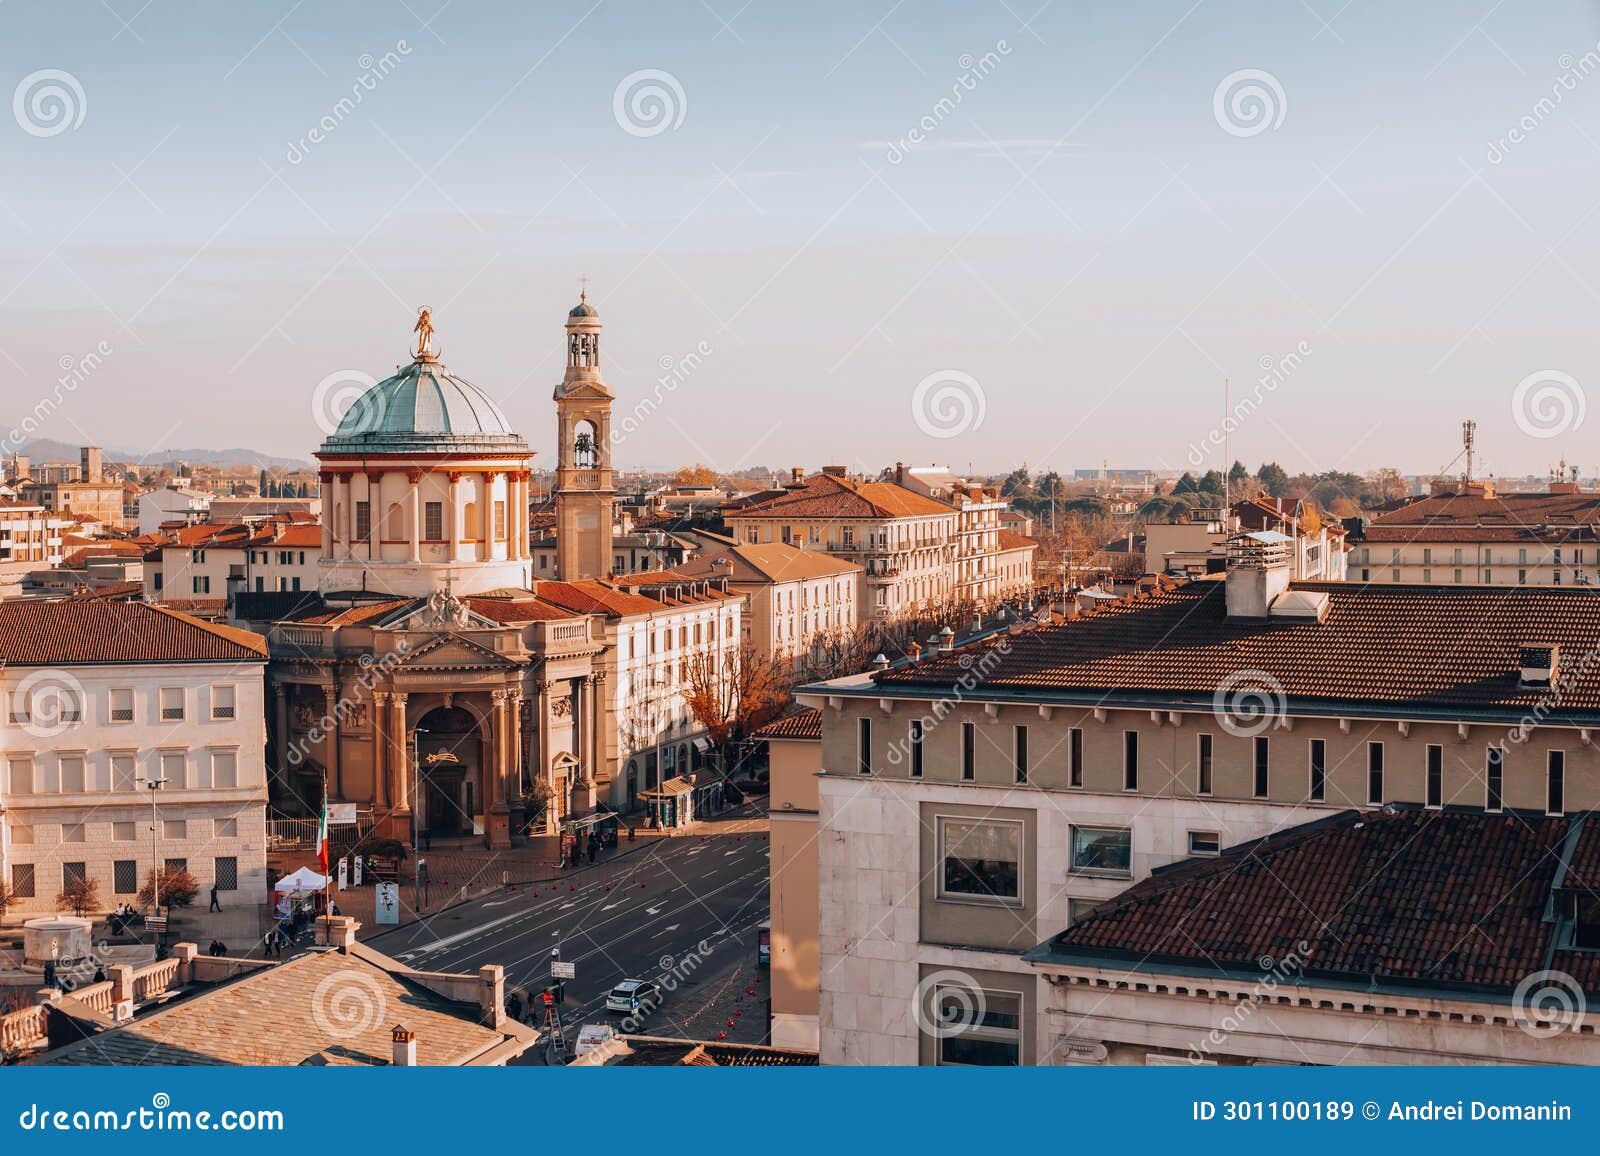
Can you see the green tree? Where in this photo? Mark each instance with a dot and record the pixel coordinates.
(1274, 479)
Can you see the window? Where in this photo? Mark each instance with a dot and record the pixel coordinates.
(22, 880)
(1435, 775)
(174, 829)
(172, 704)
(1319, 770)
(173, 866)
(1555, 782)
(864, 746)
(433, 521)
(1102, 851)
(73, 873)
(1080, 909)
(222, 702)
(1204, 843)
(1203, 763)
(1458, 572)
(72, 775)
(969, 751)
(916, 748)
(224, 769)
(125, 877)
(1263, 766)
(499, 519)
(122, 705)
(1375, 774)
(978, 1028)
(174, 770)
(201, 584)
(22, 836)
(124, 832)
(73, 833)
(1019, 752)
(1075, 757)
(122, 773)
(363, 521)
(1130, 760)
(226, 829)
(1493, 767)
(227, 873)
(20, 779)
(981, 860)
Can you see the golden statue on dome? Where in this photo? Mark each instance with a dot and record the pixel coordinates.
(424, 331)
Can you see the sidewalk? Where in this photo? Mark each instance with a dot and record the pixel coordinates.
(459, 874)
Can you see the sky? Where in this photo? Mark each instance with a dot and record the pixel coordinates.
(979, 234)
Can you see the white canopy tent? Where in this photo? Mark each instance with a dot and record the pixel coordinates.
(304, 881)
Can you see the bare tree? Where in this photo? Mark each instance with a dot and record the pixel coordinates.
(735, 690)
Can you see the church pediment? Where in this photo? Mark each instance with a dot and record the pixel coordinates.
(452, 650)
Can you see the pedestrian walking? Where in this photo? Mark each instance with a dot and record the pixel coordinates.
(215, 906)
(594, 846)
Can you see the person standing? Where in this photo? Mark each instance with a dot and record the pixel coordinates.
(215, 906)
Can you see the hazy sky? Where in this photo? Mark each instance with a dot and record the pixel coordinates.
(1058, 216)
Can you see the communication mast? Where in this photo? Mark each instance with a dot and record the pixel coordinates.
(1469, 431)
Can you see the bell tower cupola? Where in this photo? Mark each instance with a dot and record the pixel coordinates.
(584, 492)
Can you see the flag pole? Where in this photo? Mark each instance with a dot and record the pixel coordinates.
(324, 860)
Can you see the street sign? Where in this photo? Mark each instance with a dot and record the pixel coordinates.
(156, 923)
(387, 899)
(563, 969)
(341, 813)
(358, 871)
(344, 872)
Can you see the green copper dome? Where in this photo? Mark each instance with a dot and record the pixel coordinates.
(424, 409)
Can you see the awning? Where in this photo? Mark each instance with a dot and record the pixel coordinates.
(702, 744)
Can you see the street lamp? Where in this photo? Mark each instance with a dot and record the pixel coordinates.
(416, 803)
(153, 784)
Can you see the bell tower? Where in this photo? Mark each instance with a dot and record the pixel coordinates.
(584, 491)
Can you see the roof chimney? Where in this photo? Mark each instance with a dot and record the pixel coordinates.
(1258, 571)
(900, 473)
(405, 1047)
(1540, 663)
(797, 477)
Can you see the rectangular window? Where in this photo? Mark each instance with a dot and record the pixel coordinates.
(499, 519)
(1130, 760)
(1555, 783)
(122, 773)
(1019, 752)
(125, 877)
(22, 880)
(969, 751)
(1375, 774)
(1435, 775)
(433, 521)
(1102, 851)
(864, 746)
(124, 832)
(1263, 767)
(122, 705)
(984, 1027)
(224, 769)
(225, 829)
(71, 775)
(173, 866)
(172, 704)
(1203, 763)
(20, 779)
(1492, 770)
(916, 748)
(174, 769)
(1075, 757)
(222, 702)
(174, 829)
(75, 872)
(73, 833)
(1319, 770)
(1204, 843)
(981, 859)
(227, 873)
(363, 521)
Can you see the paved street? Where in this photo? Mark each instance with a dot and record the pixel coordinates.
(646, 917)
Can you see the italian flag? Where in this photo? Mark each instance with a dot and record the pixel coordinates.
(322, 835)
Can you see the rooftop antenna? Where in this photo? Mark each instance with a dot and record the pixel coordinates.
(1469, 432)
(1227, 458)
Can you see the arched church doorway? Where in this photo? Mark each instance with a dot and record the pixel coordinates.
(448, 774)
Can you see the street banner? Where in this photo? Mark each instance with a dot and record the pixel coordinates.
(358, 871)
(387, 896)
(344, 872)
(342, 813)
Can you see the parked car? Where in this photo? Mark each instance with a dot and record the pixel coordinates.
(635, 995)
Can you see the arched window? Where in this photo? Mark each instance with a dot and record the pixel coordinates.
(585, 451)
(394, 523)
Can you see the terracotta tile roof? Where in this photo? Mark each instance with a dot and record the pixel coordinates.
(589, 596)
(280, 1017)
(768, 562)
(83, 631)
(1474, 517)
(1448, 900)
(1442, 650)
(803, 724)
(113, 592)
(524, 609)
(834, 497)
(1011, 540)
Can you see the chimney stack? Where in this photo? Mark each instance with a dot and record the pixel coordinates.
(405, 1047)
(1259, 568)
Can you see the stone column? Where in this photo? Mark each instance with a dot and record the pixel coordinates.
(455, 528)
(325, 493)
(344, 511)
(380, 750)
(330, 697)
(280, 732)
(374, 514)
(399, 754)
(485, 517)
(415, 514)
(498, 730)
(598, 768)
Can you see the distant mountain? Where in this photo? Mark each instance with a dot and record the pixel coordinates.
(49, 450)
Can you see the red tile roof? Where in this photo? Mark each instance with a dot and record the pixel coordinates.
(526, 609)
(804, 724)
(1385, 898)
(79, 632)
(1011, 540)
(831, 496)
(1439, 650)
